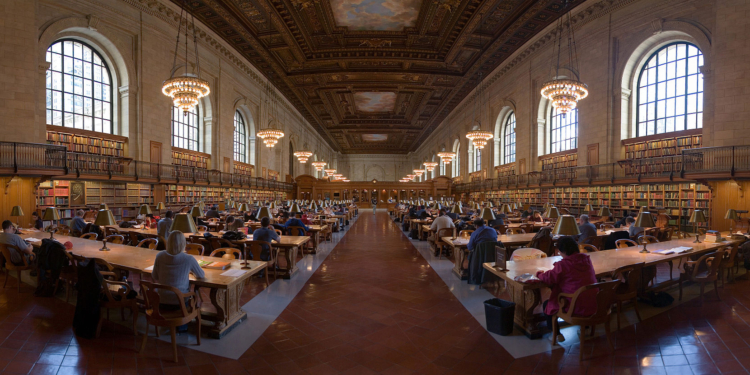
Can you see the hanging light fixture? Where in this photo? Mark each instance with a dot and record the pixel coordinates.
(270, 135)
(479, 137)
(446, 156)
(419, 172)
(565, 92)
(330, 172)
(187, 89)
(319, 165)
(411, 176)
(303, 156)
(430, 165)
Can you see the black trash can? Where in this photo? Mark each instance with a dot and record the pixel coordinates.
(499, 316)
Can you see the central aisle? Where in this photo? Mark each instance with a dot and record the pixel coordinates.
(376, 305)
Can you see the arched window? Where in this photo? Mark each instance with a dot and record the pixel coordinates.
(185, 129)
(670, 91)
(478, 158)
(79, 87)
(457, 161)
(509, 147)
(240, 140)
(564, 130)
(442, 167)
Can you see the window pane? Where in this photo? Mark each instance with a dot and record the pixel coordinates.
(509, 156)
(185, 129)
(671, 73)
(564, 130)
(240, 139)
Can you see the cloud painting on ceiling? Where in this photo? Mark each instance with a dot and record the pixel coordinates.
(384, 15)
(374, 137)
(375, 101)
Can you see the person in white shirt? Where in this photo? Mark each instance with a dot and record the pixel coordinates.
(443, 221)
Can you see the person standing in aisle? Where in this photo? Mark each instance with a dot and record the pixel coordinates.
(374, 205)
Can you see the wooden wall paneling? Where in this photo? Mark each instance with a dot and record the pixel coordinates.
(592, 154)
(19, 191)
(155, 152)
(726, 195)
(226, 165)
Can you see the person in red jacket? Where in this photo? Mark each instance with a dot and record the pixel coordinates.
(568, 275)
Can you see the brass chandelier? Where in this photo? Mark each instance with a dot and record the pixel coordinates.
(565, 92)
(187, 89)
(271, 135)
(319, 165)
(303, 156)
(419, 172)
(479, 137)
(446, 156)
(430, 165)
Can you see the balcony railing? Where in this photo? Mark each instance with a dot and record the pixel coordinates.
(37, 158)
(708, 162)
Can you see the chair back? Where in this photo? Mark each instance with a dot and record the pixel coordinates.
(108, 231)
(220, 227)
(444, 232)
(527, 253)
(712, 261)
(227, 253)
(527, 228)
(156, 316)
(500, 228)
(133, 237)
(116, 239)
(624, 243)
(295, 231)
(465, 234)
(278, 231)
(218, 242)
(149, 243)
(646, 239)
(587, 248)
(213, 220)
(8, 264)
(202, 228)
(730, 253)
(515, 231)
(89, 236)
(194, 249)
(605, 297)
(256, 248)
(63, 230)
(630, 280)
(665, 234)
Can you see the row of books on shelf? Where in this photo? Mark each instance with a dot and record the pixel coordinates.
(86, 144)
(561, 161)
(662, 147)
(189, 160)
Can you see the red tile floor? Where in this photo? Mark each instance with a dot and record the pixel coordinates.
(375, 306)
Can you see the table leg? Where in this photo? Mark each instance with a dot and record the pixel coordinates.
(228, 309)
(290, 254)
(316, 240)
(459, 256)
(526, 302)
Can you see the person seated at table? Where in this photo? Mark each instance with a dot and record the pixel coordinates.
(233, 224)
(163, 226)
(77, 224)
(574, 271)
(587, 229)
(173, 267)
(442, 221)
(526, 213)
(633, 231)
(37, 221)
(293, 222)
(306, 219)
(265, 233)
(498, 221)
(10, 237)
(213, 212)
(623, 222)
(451, 215)
(149, 221)
(93, 228)
(481, 234)
(537, 217)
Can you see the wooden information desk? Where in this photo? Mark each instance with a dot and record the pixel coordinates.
(225, 291)
(528, 296)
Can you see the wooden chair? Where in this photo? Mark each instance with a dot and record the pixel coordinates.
(630, 278)
(605, 297)
(227, 253)
(527, 228)
(194, 249)
(625, 243)
(703, 271)
(63, 230)
(445, 232)
(149, 243)
(219, 227)
(218, 243)
(515, 231)
(202, 228)
(647, 239)
(116, 239)
(727, 262)
(157, 317)
(256, 248)
(500, 228)
(9, 266)
(606, 227)
(133, 237)
(587, 248)
(117, 294)
(108, 231)
(69, 274)
(465, 234)
(89, 236)
(278, 231)
(295, 231)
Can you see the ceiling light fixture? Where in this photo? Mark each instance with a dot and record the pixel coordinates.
(419, 172)
(187, 89)
(479, 137)
(330, 172)
(319, 165)
(430, 165)
(271, 135)
(446, 156)
(303, 156)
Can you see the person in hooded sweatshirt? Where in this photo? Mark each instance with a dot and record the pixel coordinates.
(574, 271)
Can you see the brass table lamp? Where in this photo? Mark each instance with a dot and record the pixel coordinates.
(104, 218)
(183, 223)
(17, 211)
(645, 220)
(731, 215)
(566, 226)
(457, 209)
(51, 214)
(487, 214)
(697, 217)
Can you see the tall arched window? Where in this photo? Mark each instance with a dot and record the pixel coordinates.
(240, 139)
(185, 129)
(442, 167)
(457, 160)
(670, 91)
(478, 159)
(79, 87)
(509, 147)
(564, 130)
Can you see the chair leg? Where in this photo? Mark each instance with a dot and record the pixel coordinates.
(609, 336)
(680, 282)
(172, 333)
(619, 311)
(716, 289)
(99, 325)
(703, 286)
(7, 275)
(143, 342)
(18, 273)
(267, 272)
(554, 330)
(134, 312)
(583, 339)
(156, 329)
(637, 313)
(671, 265)
(199, 327)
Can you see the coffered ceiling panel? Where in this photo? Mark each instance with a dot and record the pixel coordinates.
(376, 76)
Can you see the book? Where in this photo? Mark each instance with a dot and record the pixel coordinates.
(676, 250)
(213, 265)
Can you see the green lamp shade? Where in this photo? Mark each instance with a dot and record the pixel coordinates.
(196, 211)
(184, 223)
(645, 220)
(295, 208)
(51, 213)
(160, 206)
(103, 206)
(457, 209)
(730, 215)
(264, 212)
(487, 214)
(144, 210)
(566, 226)
(243, 207)
(604, 211)
(104, 217)
(588, 208)
(697, 217)
(505, 208)
(18, 211)
(553, 213)
(436, 206)
(643, 209)
(313, 206)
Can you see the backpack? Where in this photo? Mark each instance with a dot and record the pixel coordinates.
(414, 234)
(233, 235)
(659, 299)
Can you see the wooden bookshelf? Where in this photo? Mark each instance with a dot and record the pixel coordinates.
(558, 160)
(658, 146)
(187, 158)
(87, 142)
(506, 170)
(123, 199)
(243, 168)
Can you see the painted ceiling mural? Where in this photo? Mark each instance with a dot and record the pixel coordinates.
(359, 68)
(389, 15)
(374, 137)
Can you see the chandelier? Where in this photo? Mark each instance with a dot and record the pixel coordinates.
(345, 179)
(479, 137)
(446, 157)
(411, 176)
(330, 172)
(270, 135)
(303, 156)
(187, 89)
(319, 165)
(419, 172)
(337, 176)
(565, 92)
(430, 165)
(404, 180)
